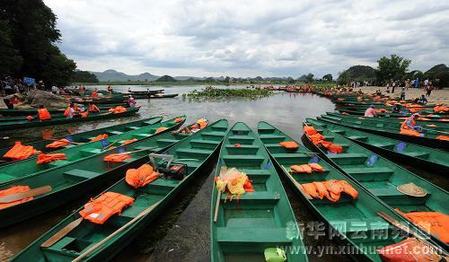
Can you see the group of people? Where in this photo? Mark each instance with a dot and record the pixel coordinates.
(9, 85)
(427, 86)
(72, 111)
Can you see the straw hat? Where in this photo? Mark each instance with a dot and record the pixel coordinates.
(411, 189)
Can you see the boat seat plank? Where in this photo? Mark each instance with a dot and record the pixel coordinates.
(167, 140)
(5, 177)
(82, 173)
(358, 138)
(417, 154)
(391, 195)
(133, 127)
(194, 151)
(252, 235)
(115, 132)
(90, 151)
(141, 135)
(364, 174)
(348, 158)
(203, 141)
(59, 163)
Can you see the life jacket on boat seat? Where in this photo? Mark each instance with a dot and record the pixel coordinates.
(20, 152)
(58, 144)
(99, 137)
(291, 145)
(93, 108)
(202, 122)
(310, 130)
(48, 158)
(43, 114)
(434, 222)
(99, 210)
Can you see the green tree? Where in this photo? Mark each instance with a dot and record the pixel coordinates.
(327, 77)
(34, 35)
(290, 80)
(84, 77)
(9, 56)
(394, 67)
(309, 78)
(227, 80)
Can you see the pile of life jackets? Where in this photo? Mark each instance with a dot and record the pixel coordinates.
(116, 158)
(233, 182)
(99, 210)
(58, 144)
(48, 158)
(318, 139)
(202, 122)
(409, 250)
(289, 145)
(12, 191)
(330, 189)
(99, 137)
(93, 108)
(141, 176)
(441, 109)
(434, 222)
(117, 110)
(179, 119)
(307, 168)
(20, 152)
(413, 108)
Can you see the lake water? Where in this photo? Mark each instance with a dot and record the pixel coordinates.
(183, 229)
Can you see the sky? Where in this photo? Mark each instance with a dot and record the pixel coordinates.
(250, 38)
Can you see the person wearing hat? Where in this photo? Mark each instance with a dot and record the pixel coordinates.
(370, 111)
(409, 126)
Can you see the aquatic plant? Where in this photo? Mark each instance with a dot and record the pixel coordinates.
(217, 93)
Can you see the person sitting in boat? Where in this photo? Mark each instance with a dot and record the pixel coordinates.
(10, 101)
(370, 111)
(396, 108)
(43, 114)
(70, 111)
(409, 126)
(110, 89)
(131, 101)
(94, 93)
(421, 100)
(93, 108)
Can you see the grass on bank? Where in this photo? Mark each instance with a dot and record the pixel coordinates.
(217, 93)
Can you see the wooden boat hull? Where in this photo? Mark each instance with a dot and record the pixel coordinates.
(28, 167)
(260, 219)
(157, 195)
(154, 96)
(26, 112)
(83, 137)
(5, 125)
(381, 177)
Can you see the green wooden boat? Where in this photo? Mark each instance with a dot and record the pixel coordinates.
(361, 112)
(412, 154)
(84, 137)
(345, 216)
(194, 151)
(29, 167)
(26, 112)
(434, 124)
(259, 220)
(381, 176)
(108, 99)
(19, 124)
(390, 130)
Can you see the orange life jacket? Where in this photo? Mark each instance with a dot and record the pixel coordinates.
(443, 137)
(406, 130)
(291, 145)
(129, 141)
(94, 94)
(202, 122)
(67, 111)
(116, 158)
(408, 250)
(330, 189)
(301, 169)
(58, 144)
(20, 152)
(141, 176)
(404, 124)
(14, 190)
(47, 158)
(331, 147)
(434, 222)
(179, 119)
(99, 210)
(316, 167)
(117, 110)
(161, 129)
(93, 108)
(43, 114)
(99, 137)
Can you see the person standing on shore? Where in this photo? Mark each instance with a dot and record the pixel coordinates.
(429, 88)
(388, 88)
(407, 84)
(393, 86)
(402, 93)
(416, 83)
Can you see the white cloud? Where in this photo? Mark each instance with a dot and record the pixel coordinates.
(249, 38)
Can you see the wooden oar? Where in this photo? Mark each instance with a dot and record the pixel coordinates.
(70, 142)
(297, 185)
(104, 240)
(407, 230)
(62, 233)
(217, 203)
(31, 193)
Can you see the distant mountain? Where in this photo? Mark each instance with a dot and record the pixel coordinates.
(113, 75)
